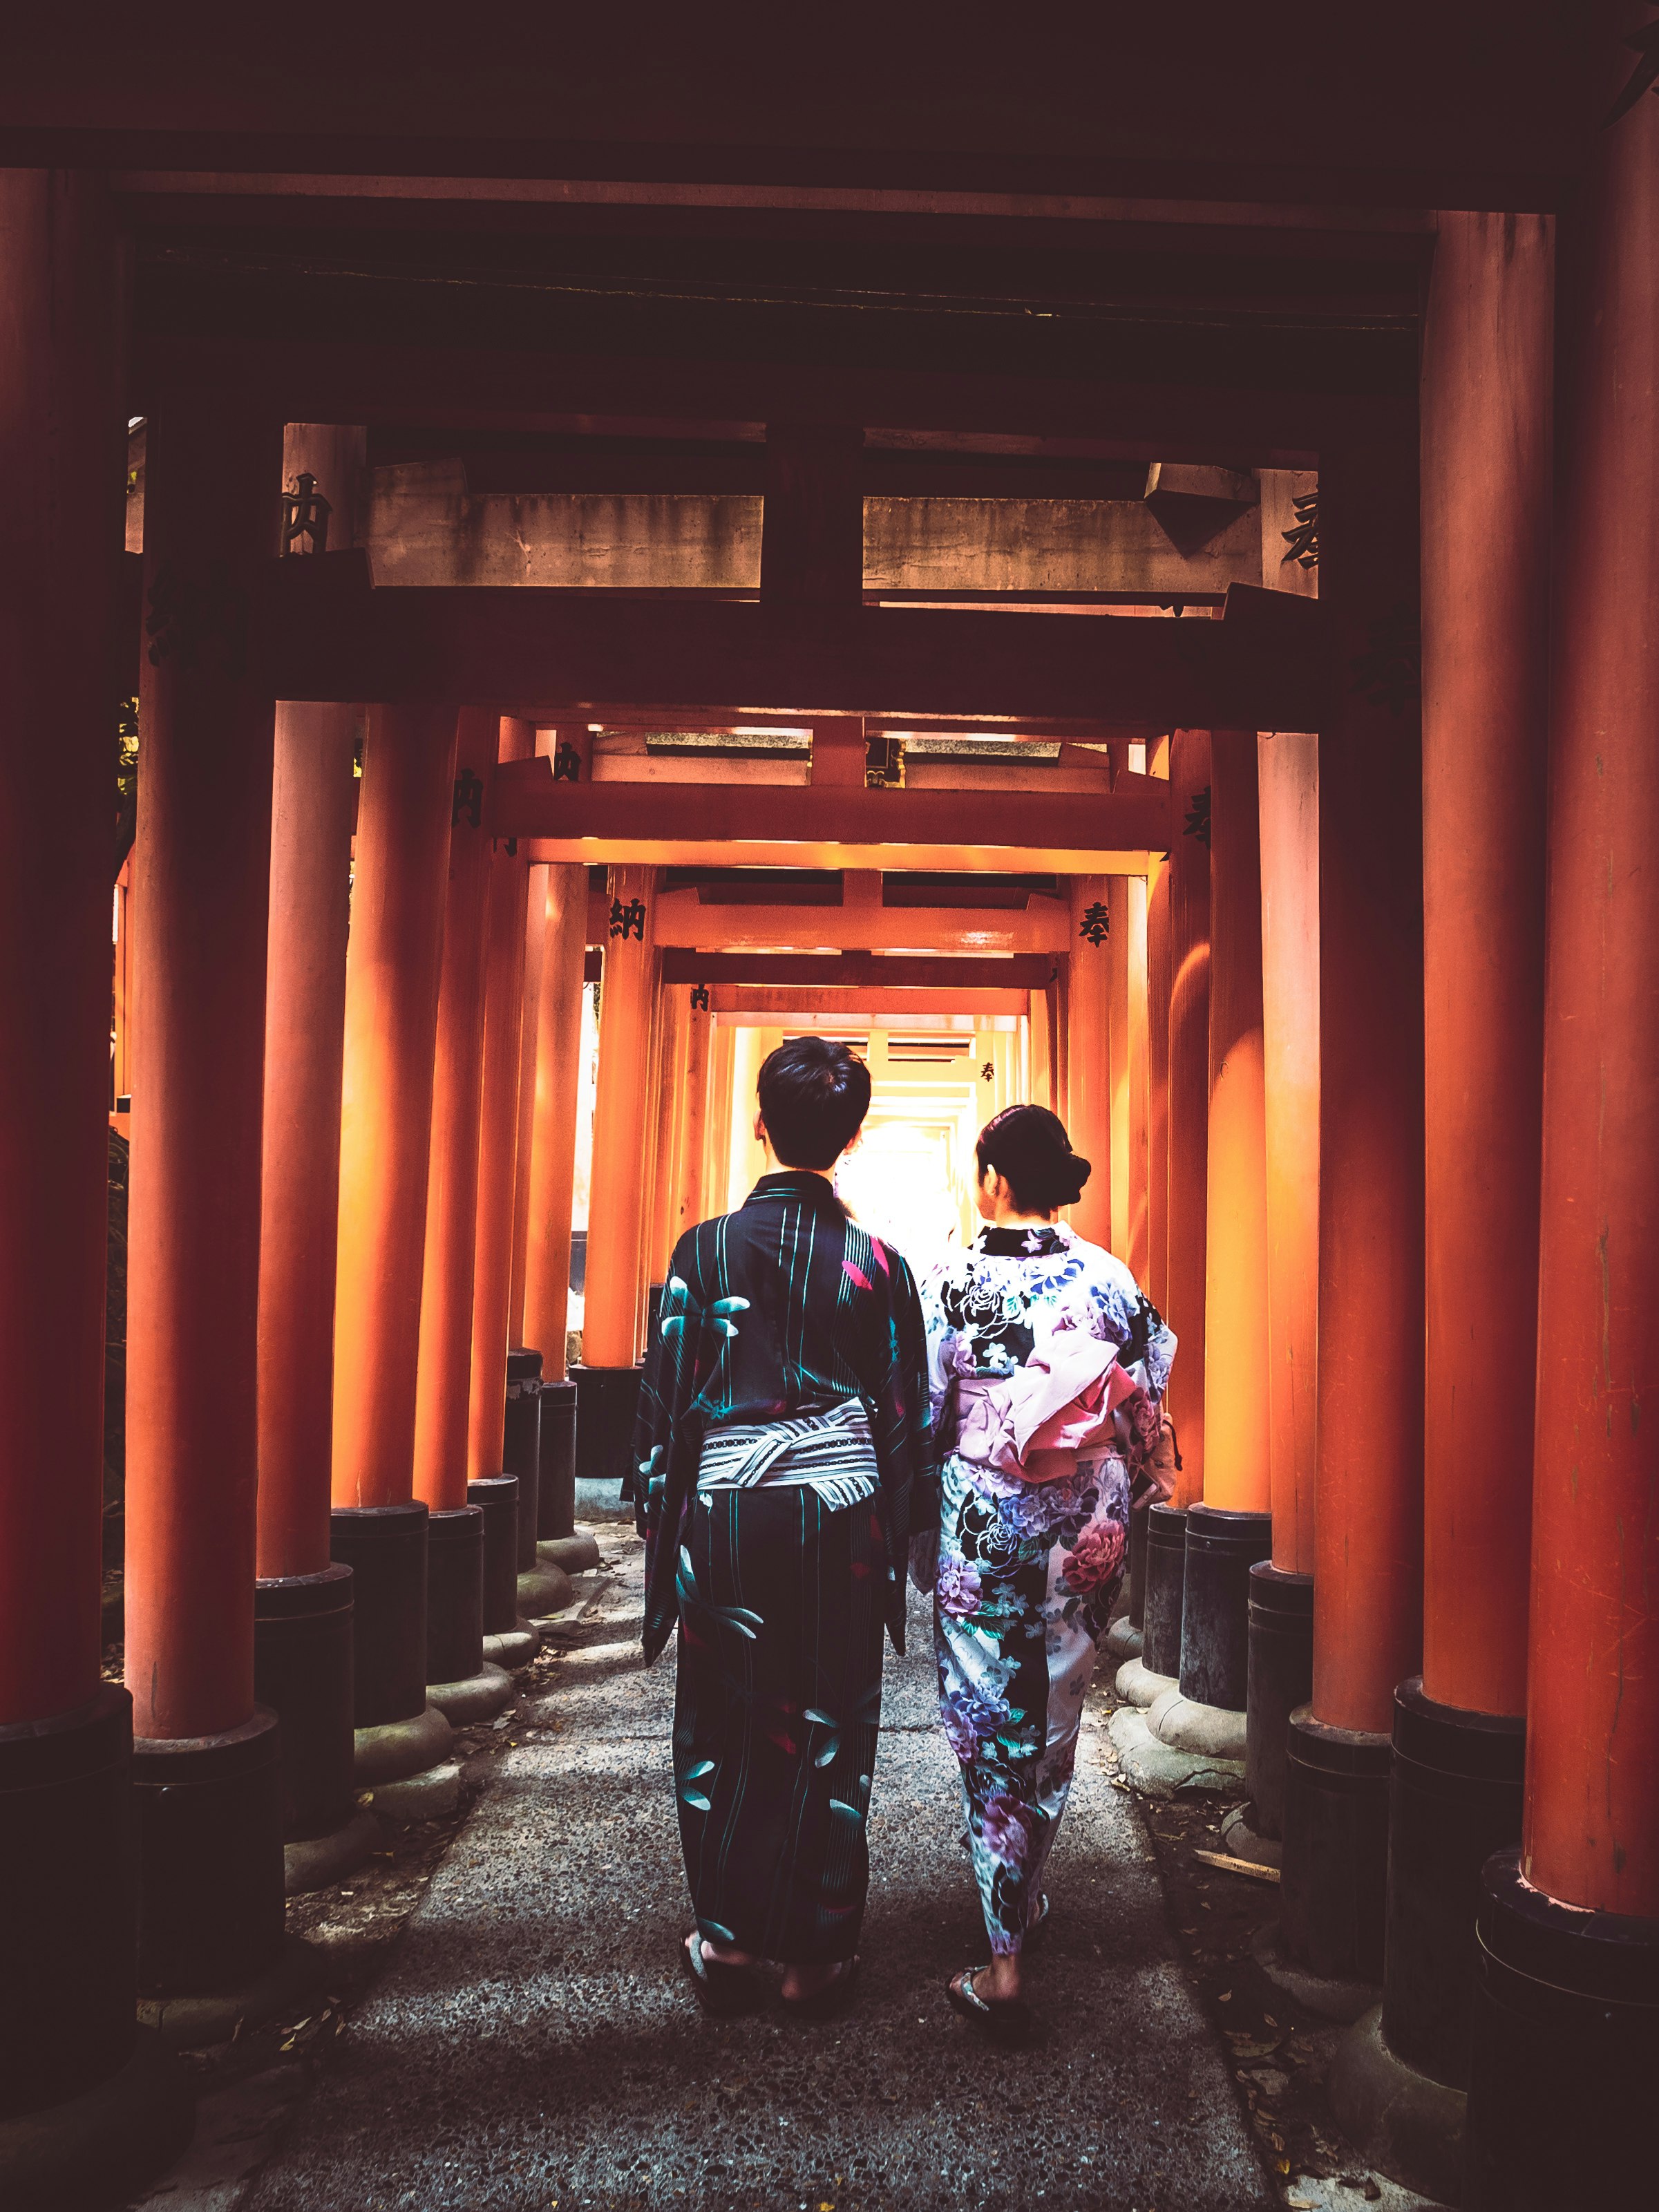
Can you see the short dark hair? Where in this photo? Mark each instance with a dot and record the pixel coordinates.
(814, 1095)
(1029, 1145)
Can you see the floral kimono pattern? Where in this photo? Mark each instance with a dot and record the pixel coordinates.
(1029, 1569)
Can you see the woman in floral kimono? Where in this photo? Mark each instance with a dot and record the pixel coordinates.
(1046, 1367)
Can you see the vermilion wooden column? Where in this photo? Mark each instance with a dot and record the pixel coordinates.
(1089, 1067)
(1137, 1251)
(535, 940)
(1157, 1060)
(1117, 951)
(1289, 772)
(691, 1203)
(553, 1153)
(443, 1391)
(305, 1043)
(1367, 1583)
(617, 1194)
(607, 1388)
(66, 1897)
(551, 1189)
(304, 1601)
(1235, 1414)
(379, 1528)
(201, 878)
(670, 1085)
(1188, 1094)
(1458, 1732)
(391, 1018)
(498, 1136)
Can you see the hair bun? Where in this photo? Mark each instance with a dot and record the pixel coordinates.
(1029, 1145)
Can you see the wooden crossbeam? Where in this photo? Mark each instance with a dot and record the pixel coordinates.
(322, 633)
(1021, 972)
(784, 825)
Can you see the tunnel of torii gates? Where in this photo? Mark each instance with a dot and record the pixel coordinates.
(1275, 947)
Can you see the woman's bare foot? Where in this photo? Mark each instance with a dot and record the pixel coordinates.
(1000, 1980)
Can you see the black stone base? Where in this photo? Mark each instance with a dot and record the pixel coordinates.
(1280, 1679)
(1166, 1577)
(67, 1905)
(302, 1671)
(496, 1496)
(556, 1512)
(1334, 1882)
(454, 1594)
(522, 1445)
(1454, 1799)
(209, 1826)
(385, 1547)
(1222, 1546)
(1564, 2053)
(607, 1399)
(196, 2022)
(98, 2149)
(1399, 2120)
(1140, 1508)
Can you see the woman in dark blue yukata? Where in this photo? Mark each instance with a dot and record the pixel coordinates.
(1048, 1366)
(785, 1463)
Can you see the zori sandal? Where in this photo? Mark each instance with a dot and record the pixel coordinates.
(1007, 2020)
(723, 1992)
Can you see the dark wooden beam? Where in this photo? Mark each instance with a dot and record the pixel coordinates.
(1019, 971)
(323, 634)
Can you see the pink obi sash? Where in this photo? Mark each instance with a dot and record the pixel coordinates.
(1033, 1423)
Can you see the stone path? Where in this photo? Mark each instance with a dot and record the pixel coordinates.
(532, 2046)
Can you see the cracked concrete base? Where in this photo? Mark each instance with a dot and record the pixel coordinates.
(1162, 1770)
(1137, 1685)
(1185, 1725)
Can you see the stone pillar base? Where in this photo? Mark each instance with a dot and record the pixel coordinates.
(1123, 1640)
(1137, 1685)
(1400, 2121)
(396, 1749)
(1331, 1996)
(1166, 1576)
(1280, 1679)
(1222, 1546)
(516, 1646)
(209, 1817)
(386, 1547)
(318, 1862)
(197, 2021)
(478, 1697)
(1563, 2051)
(1336, 1849)
(66, 1906)
(544, 1591)
(427, 1796)
(1174, 1748)
(302, 1671)
(571, 1555)
(102, 2146)
(1241, 1835)
(556, 1509)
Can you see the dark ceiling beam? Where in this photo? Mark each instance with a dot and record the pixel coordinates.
(323, 634)
(1019, 971)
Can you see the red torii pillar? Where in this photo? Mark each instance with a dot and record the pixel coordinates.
(68, 2033)
(1458, 1728)
(551, 1186)
(1187, 1142)
(1230, 1527)
(303, 1601)
(460, 1681)
(210, 1809)
(1089, 1052)
(1368, 1577)
(1568, 1961)
(504, 1427)
(379, 1526)
(607, 1384)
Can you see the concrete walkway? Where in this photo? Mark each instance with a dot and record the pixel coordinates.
(533, 2045)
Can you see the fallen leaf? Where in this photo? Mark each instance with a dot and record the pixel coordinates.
(1303, 2204)
(1226, 1997)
